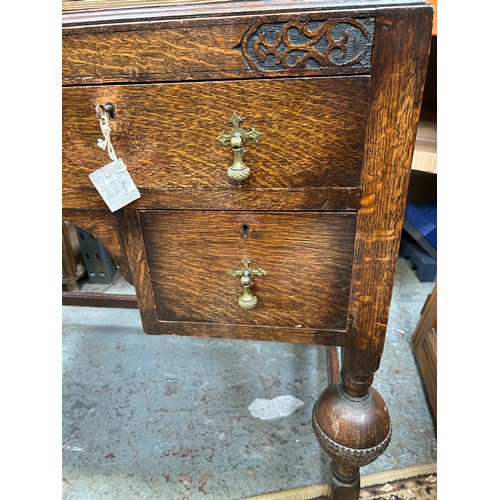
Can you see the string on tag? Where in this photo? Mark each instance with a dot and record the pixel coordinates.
(105, 144)
(112, 181)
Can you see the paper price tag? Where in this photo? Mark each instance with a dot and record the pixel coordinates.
(115, 185)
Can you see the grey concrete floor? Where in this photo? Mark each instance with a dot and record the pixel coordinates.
(157, 417)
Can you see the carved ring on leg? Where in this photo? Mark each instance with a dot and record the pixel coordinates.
(353, 432)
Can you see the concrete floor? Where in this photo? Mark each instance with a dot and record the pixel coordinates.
(159, 418)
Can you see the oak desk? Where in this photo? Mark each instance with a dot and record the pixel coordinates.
(271, 144)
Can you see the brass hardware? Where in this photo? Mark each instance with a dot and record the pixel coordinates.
(238, 171)
(247, 300)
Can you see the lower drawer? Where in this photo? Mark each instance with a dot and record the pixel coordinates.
(190, 255)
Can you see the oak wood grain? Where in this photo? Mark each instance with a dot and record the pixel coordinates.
(149, 48)
(339, 143)
(395, 99)
(247, 332)
(321, 198)
(130, 232)
(402, 41)
(191, 254)
(312, 134)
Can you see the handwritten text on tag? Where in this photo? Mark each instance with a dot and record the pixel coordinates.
(115, 185)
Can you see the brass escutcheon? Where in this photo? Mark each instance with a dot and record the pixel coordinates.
(247, 300)
(238, 171)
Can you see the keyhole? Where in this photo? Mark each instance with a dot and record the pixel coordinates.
(245, 229)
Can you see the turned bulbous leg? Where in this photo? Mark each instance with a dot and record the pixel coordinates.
(352, 424)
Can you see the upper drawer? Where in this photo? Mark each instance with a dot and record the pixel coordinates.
(309, 155)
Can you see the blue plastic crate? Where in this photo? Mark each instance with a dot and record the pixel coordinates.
(423, 218)
(424, 265)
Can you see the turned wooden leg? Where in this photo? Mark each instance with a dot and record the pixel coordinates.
(352, 424)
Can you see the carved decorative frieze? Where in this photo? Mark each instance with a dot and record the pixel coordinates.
(350, 456)
(335, 43)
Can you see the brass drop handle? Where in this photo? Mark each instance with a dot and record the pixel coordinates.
(238, 171)
(247, 300)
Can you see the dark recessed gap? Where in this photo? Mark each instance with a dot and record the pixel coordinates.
(245, 229)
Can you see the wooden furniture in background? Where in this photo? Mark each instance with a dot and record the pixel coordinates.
(425, 154)
(72, 267)
(334, 88)
(425, 160)
(434, 23)
(425, 347)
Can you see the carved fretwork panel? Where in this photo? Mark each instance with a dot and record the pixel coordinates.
(342, 43)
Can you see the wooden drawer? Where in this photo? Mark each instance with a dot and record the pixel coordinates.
(190, 256)
(309, 156)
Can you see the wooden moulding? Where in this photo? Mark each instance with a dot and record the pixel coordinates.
(112, 300)
(230, 198)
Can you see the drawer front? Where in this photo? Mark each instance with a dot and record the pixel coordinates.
(306, 257)
(312, 140)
